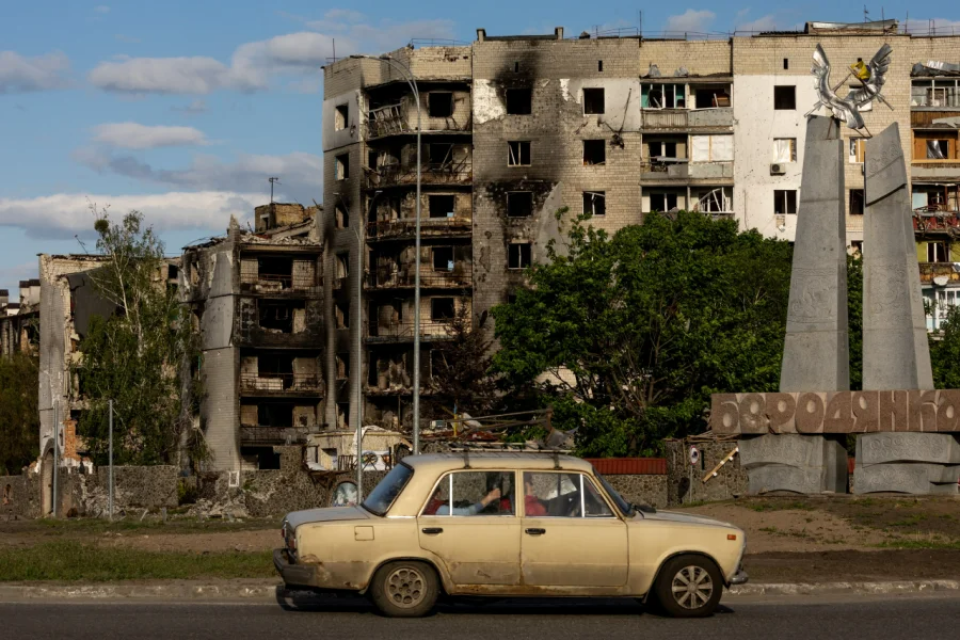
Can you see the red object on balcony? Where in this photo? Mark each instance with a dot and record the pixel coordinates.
(629, 466)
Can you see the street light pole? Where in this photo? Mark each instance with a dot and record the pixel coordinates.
(416, 285)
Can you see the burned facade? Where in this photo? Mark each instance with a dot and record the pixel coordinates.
(255, 302)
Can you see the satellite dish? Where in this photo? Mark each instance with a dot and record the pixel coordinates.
(941, 281)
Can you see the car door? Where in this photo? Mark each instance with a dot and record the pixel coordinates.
(471, 524)
(571, 535)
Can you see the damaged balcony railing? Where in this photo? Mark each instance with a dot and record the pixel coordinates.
(279, 282)
(280, 382)
(268, 434)
(937, 218)
(385, 278)
(453, 172)
(428, 226)
(403, 329)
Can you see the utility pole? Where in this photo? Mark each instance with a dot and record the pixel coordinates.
(272, 181)
(111, 460)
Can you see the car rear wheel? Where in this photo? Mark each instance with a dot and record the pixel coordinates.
(405, 589)
(689, 587)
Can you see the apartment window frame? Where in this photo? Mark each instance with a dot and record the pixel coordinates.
(519, 153)
(720, 95)
(442, 259)
(938, 251)
(342, 166)
(341, 216)
(519, 256)
(594, 152)
(785, 97)
(439, 310)
(858, 150)
(440, 211)
(935, 93)
(595, 203)
(519, 101)
(663, 149)
(657, 96)
(785, 201)
(857, 202)
(519, 204)
(442, 102)
(663, 199)
(792, 146)
(716, 151)
(341, 117)
(594, 101)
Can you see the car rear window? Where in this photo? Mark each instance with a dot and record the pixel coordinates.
(383, 495)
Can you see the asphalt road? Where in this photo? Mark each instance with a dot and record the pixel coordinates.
(850, 618)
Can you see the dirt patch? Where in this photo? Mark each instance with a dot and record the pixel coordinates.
(830, 566)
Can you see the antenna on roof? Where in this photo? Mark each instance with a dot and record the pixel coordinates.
(272, 180)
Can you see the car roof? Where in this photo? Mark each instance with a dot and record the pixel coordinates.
(439, 462)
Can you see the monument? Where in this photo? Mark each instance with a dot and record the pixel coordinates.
(906, 430)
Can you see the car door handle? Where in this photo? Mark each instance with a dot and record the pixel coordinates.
(432, 530)
(535, 532)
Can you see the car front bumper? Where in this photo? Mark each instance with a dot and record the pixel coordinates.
(740, 577)
(294, 575)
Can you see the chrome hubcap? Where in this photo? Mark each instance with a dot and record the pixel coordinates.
(692, 587)
(406, 587)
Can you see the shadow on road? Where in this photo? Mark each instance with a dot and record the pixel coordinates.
(307, 601)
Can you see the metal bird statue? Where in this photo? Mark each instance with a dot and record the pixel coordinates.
(870, 75)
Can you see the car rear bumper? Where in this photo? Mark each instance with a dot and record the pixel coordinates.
(294, 575)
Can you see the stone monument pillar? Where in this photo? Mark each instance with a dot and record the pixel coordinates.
(896, 354)
(816, 351)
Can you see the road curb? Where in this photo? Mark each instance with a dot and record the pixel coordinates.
(858, 587)
(266, 590)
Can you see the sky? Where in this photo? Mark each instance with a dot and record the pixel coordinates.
(182, 110)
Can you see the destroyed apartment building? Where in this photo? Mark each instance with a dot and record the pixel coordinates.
(515, 128)
(20, 321)
(255, 299)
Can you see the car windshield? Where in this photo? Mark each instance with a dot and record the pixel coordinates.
(624, 506)
(383, 495)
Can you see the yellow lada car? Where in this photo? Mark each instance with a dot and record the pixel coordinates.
(509, 525)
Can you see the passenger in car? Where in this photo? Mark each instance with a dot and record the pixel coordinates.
(532, 504)
(439, 507)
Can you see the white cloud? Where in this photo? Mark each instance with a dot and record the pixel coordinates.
(195, 108)
(102, 8)
(764, 23)
(691, 21)
(65, 214)
(301, 173)
(131, 135)
(255, 65)
(19, 74)
(161, 75)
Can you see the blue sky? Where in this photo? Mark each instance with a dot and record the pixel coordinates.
(183, 109)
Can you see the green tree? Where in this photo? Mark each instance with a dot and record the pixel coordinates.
(133, 357)
(855, 320)
(945, 352)
(19, 414)
(461, 369)
(635, 331)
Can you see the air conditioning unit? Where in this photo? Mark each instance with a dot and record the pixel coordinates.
(777, 169)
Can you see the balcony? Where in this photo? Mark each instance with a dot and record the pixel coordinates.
(400, 119)
(278, 284)
(429, 228)
(260, 337)
(940, 273)
(280, 384)
(432, 173)
(270, 435)
(403, 331)
(458, 278)
(680, 171)
(682, 119)
(936, 219)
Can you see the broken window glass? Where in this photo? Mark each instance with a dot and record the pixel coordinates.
(712, 96)
(519, 257)
(439, 153)
(593, 101)
(595, 203)
(784, 97)
(441, 309)
(594, 152)
(937, 149)
(519, 204)
(442, 206)
(341, 116)
(518, 153)
(343, 166)
(664, 201)
(440, 104)
(856, 202)
(443, 258)
(519, 102)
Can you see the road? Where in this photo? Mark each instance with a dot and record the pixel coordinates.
(930, 617)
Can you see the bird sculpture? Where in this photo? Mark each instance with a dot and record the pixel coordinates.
(871, 77)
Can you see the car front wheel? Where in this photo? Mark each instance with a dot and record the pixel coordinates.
(689, 587)
(405, 589)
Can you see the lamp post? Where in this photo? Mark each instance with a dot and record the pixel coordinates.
(416, 283)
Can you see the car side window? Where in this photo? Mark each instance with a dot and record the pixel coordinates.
(563, 495)
(471, 493)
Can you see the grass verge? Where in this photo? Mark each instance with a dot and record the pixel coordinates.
(75, 561)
